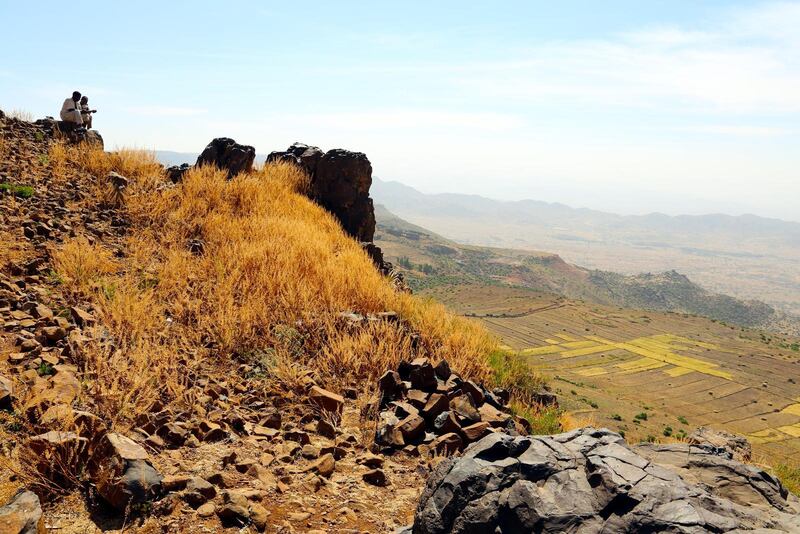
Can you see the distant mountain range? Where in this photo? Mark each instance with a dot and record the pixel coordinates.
(430, 261)
(747, 256)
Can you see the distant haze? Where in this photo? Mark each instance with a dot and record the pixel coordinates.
(745, 256)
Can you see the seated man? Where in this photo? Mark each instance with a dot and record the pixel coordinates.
(71, 110)
(86, 113)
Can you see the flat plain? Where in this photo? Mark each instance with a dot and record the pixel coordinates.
(654, 376)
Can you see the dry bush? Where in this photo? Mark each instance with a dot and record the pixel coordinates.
(20, 114)
(572, 420)
(81, 266)
(58, 158)
(13, 250)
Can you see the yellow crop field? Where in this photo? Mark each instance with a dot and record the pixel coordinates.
(657, 351)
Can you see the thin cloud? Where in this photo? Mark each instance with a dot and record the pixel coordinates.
(166, 111)
(738, 130)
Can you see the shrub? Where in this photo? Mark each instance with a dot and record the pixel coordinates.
(641, 416)
(789, 476)
(21, 191)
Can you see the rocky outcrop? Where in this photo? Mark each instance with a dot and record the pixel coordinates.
(429, 408)
(340, 182)
(591, 481)
(70, 131)
(22, 515)
(228, 155)
(737, 446)
(300, 154)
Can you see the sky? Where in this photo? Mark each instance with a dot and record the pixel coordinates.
(624, 106)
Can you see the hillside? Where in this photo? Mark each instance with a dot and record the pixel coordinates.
(747, 257)
(204, 351)
(220, 347)
(429, 260)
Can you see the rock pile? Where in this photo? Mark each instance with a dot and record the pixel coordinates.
(430, 407)
(738, 446)
(228, 155)
(590, 480)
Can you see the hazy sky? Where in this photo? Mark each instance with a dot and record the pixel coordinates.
(627, 106)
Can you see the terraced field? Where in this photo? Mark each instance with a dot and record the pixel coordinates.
(651, 375)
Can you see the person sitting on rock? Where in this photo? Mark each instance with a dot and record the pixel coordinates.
(71, 111)
(86, 113)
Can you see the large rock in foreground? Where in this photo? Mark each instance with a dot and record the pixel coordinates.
(122, 472)
(228, 155)
(591, 481)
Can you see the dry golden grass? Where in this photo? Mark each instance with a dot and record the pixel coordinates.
(58, 158)
(20, 114)
(275, 271)
(81, 265)
(13, 249)
(571, 420)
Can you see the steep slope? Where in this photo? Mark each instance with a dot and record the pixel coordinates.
(430, 260)
(199, 355)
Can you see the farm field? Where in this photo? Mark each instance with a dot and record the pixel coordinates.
(650, 375)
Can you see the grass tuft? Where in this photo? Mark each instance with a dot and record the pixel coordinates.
(21, 191)
(789, 475)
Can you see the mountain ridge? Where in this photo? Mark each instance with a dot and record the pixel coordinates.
(746, 256)
(429, 260)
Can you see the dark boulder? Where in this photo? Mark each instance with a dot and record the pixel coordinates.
(228, 155)
(340, 182)
(300, 154)
(591, 481)
(176, 172)
(6, 393)
(341, 185)
(121, 470)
